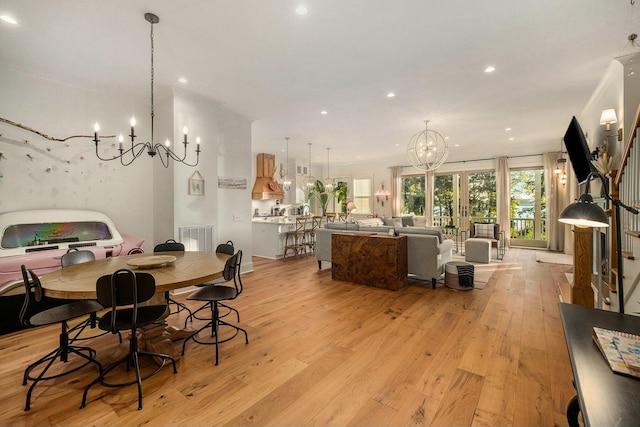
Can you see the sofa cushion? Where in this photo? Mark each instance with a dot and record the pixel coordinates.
(484, 231)
(341, 226)
(370, 222)
(407, 220)
(394, 222)
(419, 221)
(432, 231)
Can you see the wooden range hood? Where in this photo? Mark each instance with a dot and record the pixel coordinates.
(266, 187)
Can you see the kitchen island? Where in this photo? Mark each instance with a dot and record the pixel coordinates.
(269, 235)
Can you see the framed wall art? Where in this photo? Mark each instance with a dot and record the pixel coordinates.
(196, 184)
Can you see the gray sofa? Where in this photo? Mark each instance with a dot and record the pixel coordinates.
(427, 251)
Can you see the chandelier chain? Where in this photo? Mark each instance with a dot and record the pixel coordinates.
(152, 81)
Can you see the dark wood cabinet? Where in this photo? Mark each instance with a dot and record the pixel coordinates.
(372, 260)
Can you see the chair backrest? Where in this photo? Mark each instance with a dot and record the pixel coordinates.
(232, 270)
(484, 230)
(123, 288)
(316, 222)
(331, 217)
(32, 296)
(225, 248)
(302, 223)
(76, 257)
(169, 246)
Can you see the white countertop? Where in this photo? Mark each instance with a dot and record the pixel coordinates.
(274, 219)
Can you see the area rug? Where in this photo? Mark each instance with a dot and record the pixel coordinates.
(554, 257)
(481, 272)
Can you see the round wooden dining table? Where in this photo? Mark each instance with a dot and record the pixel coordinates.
(189, 268)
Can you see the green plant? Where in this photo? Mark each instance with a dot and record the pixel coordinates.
(341, 195)
(323, 196)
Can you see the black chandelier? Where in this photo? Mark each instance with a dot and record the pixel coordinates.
(127, 156)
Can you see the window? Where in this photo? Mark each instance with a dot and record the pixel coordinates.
(528, 205)
(413, 199)
(362, 194)
(445, 200)
(25, 235)
(482, 196)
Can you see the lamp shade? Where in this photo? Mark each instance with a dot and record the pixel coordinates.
(584, 213)
(608, 117)
(351, 206)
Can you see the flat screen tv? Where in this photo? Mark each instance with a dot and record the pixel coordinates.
(578, 150)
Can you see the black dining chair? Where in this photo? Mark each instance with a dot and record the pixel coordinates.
(213, 295)
(172, 246)
(33, 315)
(223, 248)
(73, 257)
(124, 291)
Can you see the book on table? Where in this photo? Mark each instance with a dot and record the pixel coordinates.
(620, 349)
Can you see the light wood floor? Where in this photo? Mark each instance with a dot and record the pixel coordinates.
(332, 353)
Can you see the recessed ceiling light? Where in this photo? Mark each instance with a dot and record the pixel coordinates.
(391, 95)
(446, 137)
(490, 69)
(301, 10)
(397, 145)
(182, 80)
(9, 20)
(456, 145)
(507, 129)
(324, 112)
(511, 139)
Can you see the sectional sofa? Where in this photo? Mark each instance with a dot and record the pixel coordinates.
(427, 251)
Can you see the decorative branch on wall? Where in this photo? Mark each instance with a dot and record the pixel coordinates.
(44, 135)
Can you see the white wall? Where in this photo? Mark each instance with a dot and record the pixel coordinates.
(42, 174)
(143, 199)
(226, 151)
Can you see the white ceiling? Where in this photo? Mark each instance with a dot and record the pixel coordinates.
(261, 59)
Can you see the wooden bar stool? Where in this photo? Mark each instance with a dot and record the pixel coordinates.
(316, 222)
(296, 240)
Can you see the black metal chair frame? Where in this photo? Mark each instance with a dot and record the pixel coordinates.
(223, 248)
(115, 291)
(213, 295)
(73, 257)
(60, 314)
(172, 246)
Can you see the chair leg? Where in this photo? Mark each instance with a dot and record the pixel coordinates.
(214, 324)
(573, 410)
(180, 305)
(131, 358)
(62, 352)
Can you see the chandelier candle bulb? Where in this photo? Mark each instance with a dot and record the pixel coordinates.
(132, 122)
(120, 139)
(96, 129)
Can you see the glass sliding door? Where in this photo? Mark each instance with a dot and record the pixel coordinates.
(459, 198)
(446, 200)
(481, 197)
(528, 208)
(464, 197)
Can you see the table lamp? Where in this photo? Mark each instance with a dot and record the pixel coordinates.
(585, 213)
(351, 207)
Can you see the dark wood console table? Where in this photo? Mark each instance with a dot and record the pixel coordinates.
(605, 398)
(373, 260)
